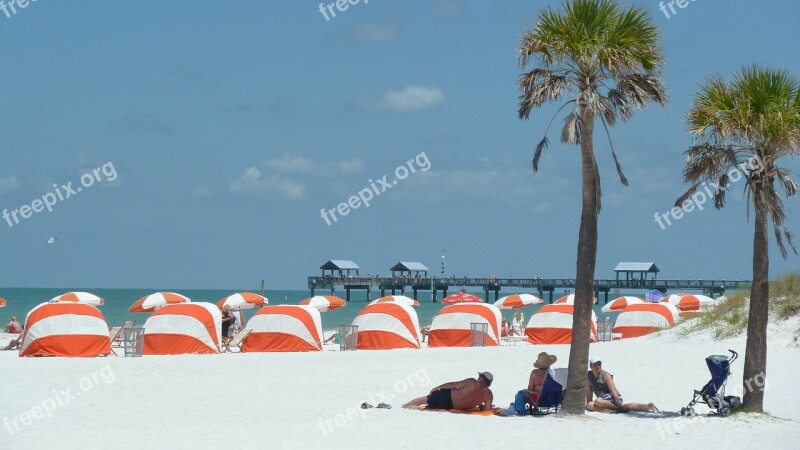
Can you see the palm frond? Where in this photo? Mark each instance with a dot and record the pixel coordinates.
(790, 187)
(686, 195)
(621, 175)
(538, 153)
(719, 192)
(571, 132)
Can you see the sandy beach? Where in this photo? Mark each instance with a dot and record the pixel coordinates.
(293, 400)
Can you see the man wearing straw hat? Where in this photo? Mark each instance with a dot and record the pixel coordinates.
(463, 395)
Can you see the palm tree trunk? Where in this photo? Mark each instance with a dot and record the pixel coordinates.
(755, 358)
(575, 397)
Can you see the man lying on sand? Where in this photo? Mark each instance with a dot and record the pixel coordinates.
(601, 384)
(464, 395)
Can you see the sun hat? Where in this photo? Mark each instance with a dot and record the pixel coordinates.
(544, 361)
(488, 376)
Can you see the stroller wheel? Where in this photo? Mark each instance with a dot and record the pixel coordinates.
(724, 411)
(683, 411)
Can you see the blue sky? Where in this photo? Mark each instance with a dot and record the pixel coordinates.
(229, 126)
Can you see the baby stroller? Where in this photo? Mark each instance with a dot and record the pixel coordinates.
(713, 393)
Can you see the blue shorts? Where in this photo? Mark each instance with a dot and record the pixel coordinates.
(441, 399)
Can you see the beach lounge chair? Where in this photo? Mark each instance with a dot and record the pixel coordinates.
(553, 389)
(116, 334)
(236, 341)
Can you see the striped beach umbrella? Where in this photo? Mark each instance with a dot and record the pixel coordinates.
(78, 297)
(152, 302)
(570, 300)
(621, 303)
(324, 303)
(397, 299)
(243, 300)
(517, 301)
(461, 297)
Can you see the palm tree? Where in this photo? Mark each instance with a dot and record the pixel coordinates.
(741, 129)
(607, 61)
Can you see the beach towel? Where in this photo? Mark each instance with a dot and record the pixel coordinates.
(476, 412)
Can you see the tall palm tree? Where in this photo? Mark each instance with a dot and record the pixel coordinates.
(606, 61)
(741, 129)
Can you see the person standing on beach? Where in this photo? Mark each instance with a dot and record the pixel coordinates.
(601, 384)
(463, 395)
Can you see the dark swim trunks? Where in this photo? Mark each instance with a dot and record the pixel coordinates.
(441, 399)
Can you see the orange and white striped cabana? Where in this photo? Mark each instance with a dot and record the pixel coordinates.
(552, 324)
(461, 297)
(65, 329)
(645, 318)
(155, 301)
(243, 300)
(620, 303)
(78, 297)
(284, 328)
(570, 300)
(451, 327)
(397, 299)
(517, 301)
(324, 303)
(183, 328)
(389, 325)
(688, 302)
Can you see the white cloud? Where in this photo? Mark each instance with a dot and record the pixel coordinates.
(146, 122)
(375, 33)
(8, 184)
(202, 193)
(449, 8)
(352, 166)
(413, 98)
(410, 98)
(290, 164)
(255, 183)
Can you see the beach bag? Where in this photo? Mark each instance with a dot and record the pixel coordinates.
(523, 403)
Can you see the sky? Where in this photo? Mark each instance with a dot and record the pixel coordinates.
(207, 138)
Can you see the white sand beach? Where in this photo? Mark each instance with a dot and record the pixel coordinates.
(296, 400)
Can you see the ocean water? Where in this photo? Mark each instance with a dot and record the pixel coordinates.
(117, 301)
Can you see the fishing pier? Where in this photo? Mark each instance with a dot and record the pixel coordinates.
(413, 277)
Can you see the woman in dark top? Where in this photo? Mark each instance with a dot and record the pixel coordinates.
(227, 321)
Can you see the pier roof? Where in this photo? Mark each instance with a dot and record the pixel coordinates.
(339, 264)
(407, 266)
(636, 267)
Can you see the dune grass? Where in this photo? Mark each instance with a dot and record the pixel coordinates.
(730, 317)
